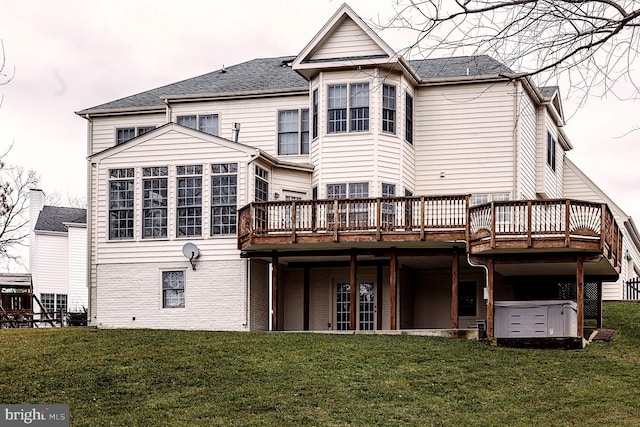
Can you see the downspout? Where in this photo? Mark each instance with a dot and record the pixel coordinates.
(88, 266)
(486, 278)
(516, 138)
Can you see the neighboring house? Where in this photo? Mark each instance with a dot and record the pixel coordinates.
(58, 255)
(345, 188)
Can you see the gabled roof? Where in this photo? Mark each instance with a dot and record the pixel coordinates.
(263, 75)
(327, 49)
(53, 218)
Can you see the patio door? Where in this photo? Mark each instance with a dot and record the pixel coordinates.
(366, 309)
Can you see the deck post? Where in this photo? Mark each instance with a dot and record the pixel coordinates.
(393, 274)
(353, 297)
(490, 274)
(599, 318)
(454, 291)
(580, 294)
(274, 292)
(305, 297)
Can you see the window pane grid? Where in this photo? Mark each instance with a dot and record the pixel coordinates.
(337, 108)
(208, 124)
(173, 289)
(154, 203)
(121, 204)
(224, 189)
(189, 201)
(343, 306)
(409, 118)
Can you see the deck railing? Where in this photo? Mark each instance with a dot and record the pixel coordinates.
(495, 225)
(342, 216)
(501, 223)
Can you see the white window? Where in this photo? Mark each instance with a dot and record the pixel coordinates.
(121, 204)
(551, 151)
(261, 185)
(154, 202)
(189, 200)
(389, 108)
(224, 190)
(408, 121)
(207, 123)
(125, 134)
(357, 106)
(173, 289)
(293, 132)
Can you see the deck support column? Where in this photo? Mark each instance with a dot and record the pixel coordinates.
(454, 291)
(580, 294)
(353, 297)
(393, 276)
(599, 318)
(490, 274)
(305, 322)
(274, 292)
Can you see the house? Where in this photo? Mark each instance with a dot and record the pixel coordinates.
(347, 188)
(57, 256)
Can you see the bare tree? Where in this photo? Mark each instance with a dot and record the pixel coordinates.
(592, 43)
(15, 183)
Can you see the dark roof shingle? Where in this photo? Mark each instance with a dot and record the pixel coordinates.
(52, 218)
(260, 74)
(274, 74)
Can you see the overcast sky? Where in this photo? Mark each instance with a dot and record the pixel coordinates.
(70, 55)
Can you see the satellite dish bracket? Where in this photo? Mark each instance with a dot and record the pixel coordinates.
(192, 252)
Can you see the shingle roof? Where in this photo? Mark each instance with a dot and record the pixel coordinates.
(548, 91)
(52, 218)
(261, 74)
(458, 66)
(273, 74)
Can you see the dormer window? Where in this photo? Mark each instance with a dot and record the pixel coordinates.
(357, 107)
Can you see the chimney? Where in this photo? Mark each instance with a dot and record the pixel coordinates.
(36, 203)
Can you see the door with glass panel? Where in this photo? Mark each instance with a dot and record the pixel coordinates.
(365, 313)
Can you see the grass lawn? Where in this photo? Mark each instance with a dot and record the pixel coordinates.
(177, 378)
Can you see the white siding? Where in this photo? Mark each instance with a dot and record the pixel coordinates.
(373, 157)
(77, 247)
(347, 40)
(549, 182)
(171, 149)
(259, 296)
(214, 296)
(526, 147)
(578, 186)
(258, 119)
(52, 264)
(467, 133)
(285, 181)
(104, 128)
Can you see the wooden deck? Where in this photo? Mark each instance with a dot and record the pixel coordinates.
(496, 227)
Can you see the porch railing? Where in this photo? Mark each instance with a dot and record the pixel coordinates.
(340, 216)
